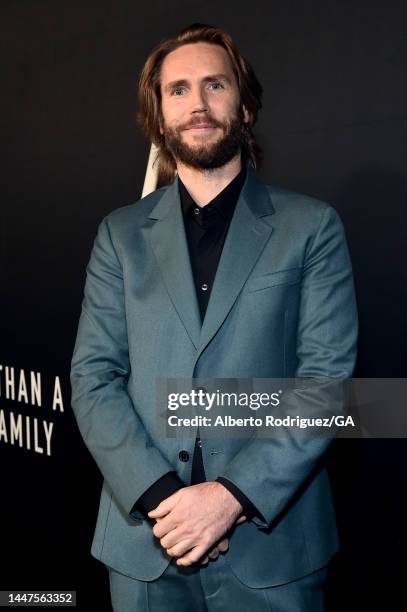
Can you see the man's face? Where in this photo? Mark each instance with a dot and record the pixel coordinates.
(201, 117)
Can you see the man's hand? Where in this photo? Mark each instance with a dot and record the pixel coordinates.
(213, 554)
(193, 519)
(221, 547)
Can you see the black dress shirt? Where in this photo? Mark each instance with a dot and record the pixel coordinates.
(206, 229)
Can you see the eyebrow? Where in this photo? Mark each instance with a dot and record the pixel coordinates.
(211, 77)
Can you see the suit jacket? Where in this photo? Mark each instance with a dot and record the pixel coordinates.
(282, 305)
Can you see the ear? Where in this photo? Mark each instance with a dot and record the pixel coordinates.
(160, 122)
(247, 118)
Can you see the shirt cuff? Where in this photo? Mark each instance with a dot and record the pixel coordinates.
(249, 509)
(154, 495)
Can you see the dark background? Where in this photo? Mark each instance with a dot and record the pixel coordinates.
(333, 126)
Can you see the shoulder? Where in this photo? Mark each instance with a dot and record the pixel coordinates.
(137, 212)
(299, 210)
(123, 227)
(293, 202)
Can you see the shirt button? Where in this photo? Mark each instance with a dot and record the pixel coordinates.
(196, 211)
(204, 287)
(183, 455)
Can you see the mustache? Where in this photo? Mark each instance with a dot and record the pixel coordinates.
(197, 120)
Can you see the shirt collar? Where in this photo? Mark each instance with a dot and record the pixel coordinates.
(225, 202)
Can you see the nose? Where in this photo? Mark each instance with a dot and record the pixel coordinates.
(198, 101)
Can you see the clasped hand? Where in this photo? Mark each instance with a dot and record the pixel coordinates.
(193, 522)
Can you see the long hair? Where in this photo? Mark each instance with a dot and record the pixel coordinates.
(149, 94)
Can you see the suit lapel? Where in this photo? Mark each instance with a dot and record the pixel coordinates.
(247, 236)
(170, 246)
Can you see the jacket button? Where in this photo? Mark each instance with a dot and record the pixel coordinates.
(183, 455)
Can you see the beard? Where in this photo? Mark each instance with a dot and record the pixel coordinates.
(206, 156)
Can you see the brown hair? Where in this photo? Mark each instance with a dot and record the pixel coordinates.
(149, 94)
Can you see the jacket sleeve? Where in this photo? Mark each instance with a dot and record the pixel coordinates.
(106, 416)
(271, 470)
(165, 486)
(248, 509)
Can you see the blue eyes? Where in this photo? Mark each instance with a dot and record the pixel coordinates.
(177, 91)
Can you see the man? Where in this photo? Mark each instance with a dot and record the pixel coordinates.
(217, 275)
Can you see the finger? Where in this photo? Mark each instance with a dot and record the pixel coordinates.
(223, 545)
(165, 506)
(180, 548)
(205, 560)
(159, 512)
(192, 557)
(173, 538)
(163, 527)
(241, 519)
(214, 553)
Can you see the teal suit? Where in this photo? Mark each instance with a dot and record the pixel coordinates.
(282, 305)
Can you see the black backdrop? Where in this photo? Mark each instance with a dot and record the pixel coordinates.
(333, 126)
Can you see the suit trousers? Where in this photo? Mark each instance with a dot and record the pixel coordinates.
(213, 588)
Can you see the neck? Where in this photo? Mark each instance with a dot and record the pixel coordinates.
(204, 185)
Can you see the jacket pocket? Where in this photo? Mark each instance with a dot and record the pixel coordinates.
(291, 276)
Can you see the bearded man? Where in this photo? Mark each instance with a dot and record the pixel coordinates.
(215, 275)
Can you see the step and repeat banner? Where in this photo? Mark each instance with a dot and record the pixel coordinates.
(333, 126)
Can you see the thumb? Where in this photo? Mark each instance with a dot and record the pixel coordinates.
(164, 507)
(241, 519)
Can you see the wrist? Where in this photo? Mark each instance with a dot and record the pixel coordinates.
(230, 500)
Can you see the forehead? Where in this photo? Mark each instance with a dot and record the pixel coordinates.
(196, 60)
